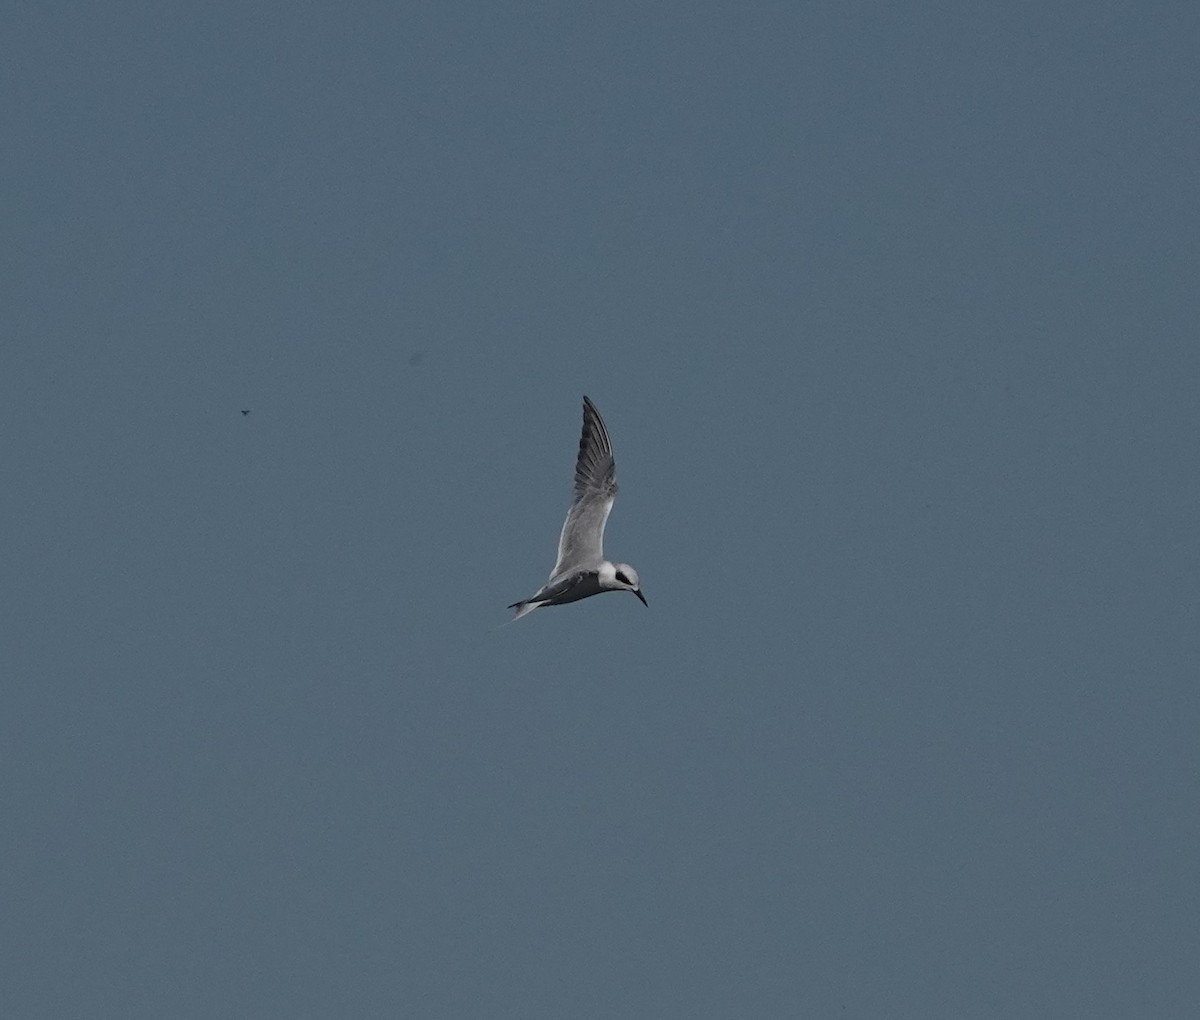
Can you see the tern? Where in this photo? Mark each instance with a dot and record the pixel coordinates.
(581, 569)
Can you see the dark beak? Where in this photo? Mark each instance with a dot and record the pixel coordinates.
(638, 593)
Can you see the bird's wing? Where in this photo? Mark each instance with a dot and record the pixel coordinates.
(581, 543)
(557, 587)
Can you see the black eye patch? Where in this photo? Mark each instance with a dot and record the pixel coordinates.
(622, 578)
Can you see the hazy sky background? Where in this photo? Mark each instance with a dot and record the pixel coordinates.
(891, 310)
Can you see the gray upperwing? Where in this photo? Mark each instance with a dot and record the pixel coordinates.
(581, 543)
(554, 590)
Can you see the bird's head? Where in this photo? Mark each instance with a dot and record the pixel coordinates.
(626, 578)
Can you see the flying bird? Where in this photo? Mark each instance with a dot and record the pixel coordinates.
(581, 569)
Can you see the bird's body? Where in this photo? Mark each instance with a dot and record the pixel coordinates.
(581, 569)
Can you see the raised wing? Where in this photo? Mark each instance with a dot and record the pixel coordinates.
(581, 544)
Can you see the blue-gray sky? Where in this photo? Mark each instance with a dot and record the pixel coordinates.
(891, 310)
